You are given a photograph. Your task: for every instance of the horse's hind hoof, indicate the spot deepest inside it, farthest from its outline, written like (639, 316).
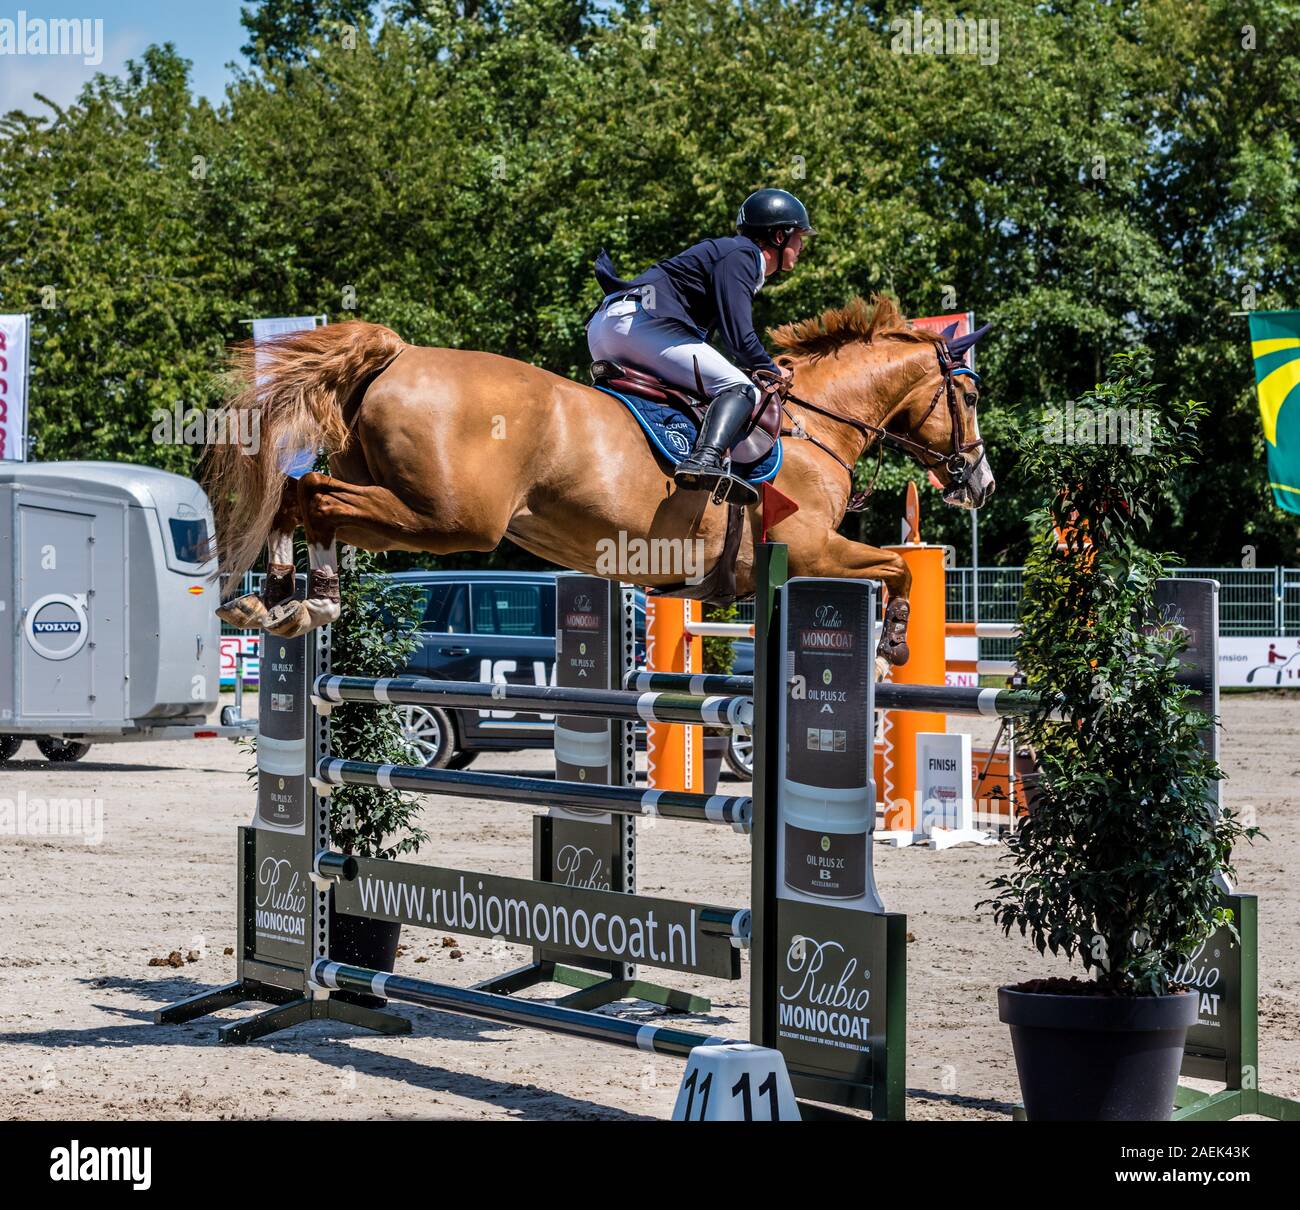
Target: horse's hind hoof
(895, 652)
(244, 613)
(289, 620)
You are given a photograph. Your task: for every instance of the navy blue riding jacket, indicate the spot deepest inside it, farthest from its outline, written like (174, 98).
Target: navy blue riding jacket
(709, 288)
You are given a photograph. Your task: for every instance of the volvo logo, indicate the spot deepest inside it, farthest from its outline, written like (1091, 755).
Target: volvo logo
(56, 626)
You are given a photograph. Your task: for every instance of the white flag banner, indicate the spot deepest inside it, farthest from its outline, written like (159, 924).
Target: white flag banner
(294, 463)
(15, 334)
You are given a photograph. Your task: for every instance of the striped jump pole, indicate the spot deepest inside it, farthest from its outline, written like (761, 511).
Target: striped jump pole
(721, 630)
(982, 630)
(685, 682)
(971, 702)
(1005, 668)
(731, 810)
(508, 1010)
(715, 711)
(953, 699)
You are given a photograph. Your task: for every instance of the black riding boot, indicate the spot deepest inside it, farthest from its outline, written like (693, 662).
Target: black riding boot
(706, 467)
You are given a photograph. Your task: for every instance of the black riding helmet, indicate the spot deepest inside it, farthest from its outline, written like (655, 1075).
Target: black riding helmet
(772, 211)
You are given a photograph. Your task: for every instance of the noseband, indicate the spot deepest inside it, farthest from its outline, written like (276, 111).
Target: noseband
(959, 468)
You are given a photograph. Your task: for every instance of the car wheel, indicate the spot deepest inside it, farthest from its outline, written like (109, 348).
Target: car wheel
(462, 759)
(9, 744)
(740, 752)
(61, 750)
(429, 734)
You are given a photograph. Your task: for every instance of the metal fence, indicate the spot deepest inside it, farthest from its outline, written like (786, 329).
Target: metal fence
(1255, 601)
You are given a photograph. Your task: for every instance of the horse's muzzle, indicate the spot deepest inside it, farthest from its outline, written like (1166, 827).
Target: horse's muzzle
(971, 484)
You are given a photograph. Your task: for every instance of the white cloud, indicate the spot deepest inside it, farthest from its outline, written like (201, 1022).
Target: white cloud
(62, 77)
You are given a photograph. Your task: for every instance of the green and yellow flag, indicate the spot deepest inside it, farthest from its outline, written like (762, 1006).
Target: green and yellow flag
(1275, 346)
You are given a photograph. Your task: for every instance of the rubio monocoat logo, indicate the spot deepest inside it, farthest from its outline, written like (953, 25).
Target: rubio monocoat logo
(1199, 972)
(827, 633)
(582, 866)
(917, 34)
(582, 615)
(824, 994)
(79, 37)
(281, 908)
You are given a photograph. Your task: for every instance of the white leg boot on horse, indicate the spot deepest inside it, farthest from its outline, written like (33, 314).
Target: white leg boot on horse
(293, 617)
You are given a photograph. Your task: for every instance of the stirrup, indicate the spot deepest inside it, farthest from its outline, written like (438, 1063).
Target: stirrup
(731, 489)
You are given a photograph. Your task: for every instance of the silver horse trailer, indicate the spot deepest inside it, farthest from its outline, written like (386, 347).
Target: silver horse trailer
(107, 629)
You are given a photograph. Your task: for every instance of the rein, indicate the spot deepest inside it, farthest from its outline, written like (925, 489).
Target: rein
(958, 468)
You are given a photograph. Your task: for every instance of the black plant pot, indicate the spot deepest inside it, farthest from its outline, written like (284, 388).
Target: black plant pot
(1097, 1058)
(361, 941)
(715, 752)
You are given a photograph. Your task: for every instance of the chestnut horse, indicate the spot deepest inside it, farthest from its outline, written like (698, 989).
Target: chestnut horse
(447, 450)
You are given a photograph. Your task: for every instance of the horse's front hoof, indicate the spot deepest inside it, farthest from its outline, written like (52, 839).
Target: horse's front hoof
(244, 613)
(289, 620)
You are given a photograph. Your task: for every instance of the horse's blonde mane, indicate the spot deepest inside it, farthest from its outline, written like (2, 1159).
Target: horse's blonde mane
(835, 327)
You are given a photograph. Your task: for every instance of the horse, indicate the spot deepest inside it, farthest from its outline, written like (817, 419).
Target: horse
(447, 450)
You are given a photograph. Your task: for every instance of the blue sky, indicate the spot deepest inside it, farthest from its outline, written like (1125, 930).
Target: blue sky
(207, 32)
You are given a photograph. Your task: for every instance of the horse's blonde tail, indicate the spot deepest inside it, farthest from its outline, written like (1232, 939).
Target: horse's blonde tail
(295, 387)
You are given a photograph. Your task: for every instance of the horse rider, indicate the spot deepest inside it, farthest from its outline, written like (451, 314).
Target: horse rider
(660, 320)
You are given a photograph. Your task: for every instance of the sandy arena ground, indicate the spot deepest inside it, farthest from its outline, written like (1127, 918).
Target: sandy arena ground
(82, 921)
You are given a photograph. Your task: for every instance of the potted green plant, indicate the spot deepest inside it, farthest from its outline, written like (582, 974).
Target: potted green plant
(1116, 863)
(719, 659)
(374, 636)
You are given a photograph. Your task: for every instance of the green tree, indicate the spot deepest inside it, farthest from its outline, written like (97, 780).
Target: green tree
(1118, 176)
(282, 31)
(103, 240)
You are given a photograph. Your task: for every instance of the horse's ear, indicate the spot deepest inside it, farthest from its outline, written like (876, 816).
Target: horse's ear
(962, 343)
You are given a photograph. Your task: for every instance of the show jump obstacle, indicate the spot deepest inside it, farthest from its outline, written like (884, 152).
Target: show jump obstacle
(827, 961)
(1223, 1046)
(827, 965)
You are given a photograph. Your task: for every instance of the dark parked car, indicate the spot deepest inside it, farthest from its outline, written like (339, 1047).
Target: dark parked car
(491, 626)
(496, 626)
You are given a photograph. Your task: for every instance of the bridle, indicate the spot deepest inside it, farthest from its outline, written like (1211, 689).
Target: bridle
(959, 468)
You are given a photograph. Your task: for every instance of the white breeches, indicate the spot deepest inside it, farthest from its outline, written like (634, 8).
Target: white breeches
(623, 331)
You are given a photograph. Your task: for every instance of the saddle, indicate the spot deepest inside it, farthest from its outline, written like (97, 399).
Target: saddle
(758, 436)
